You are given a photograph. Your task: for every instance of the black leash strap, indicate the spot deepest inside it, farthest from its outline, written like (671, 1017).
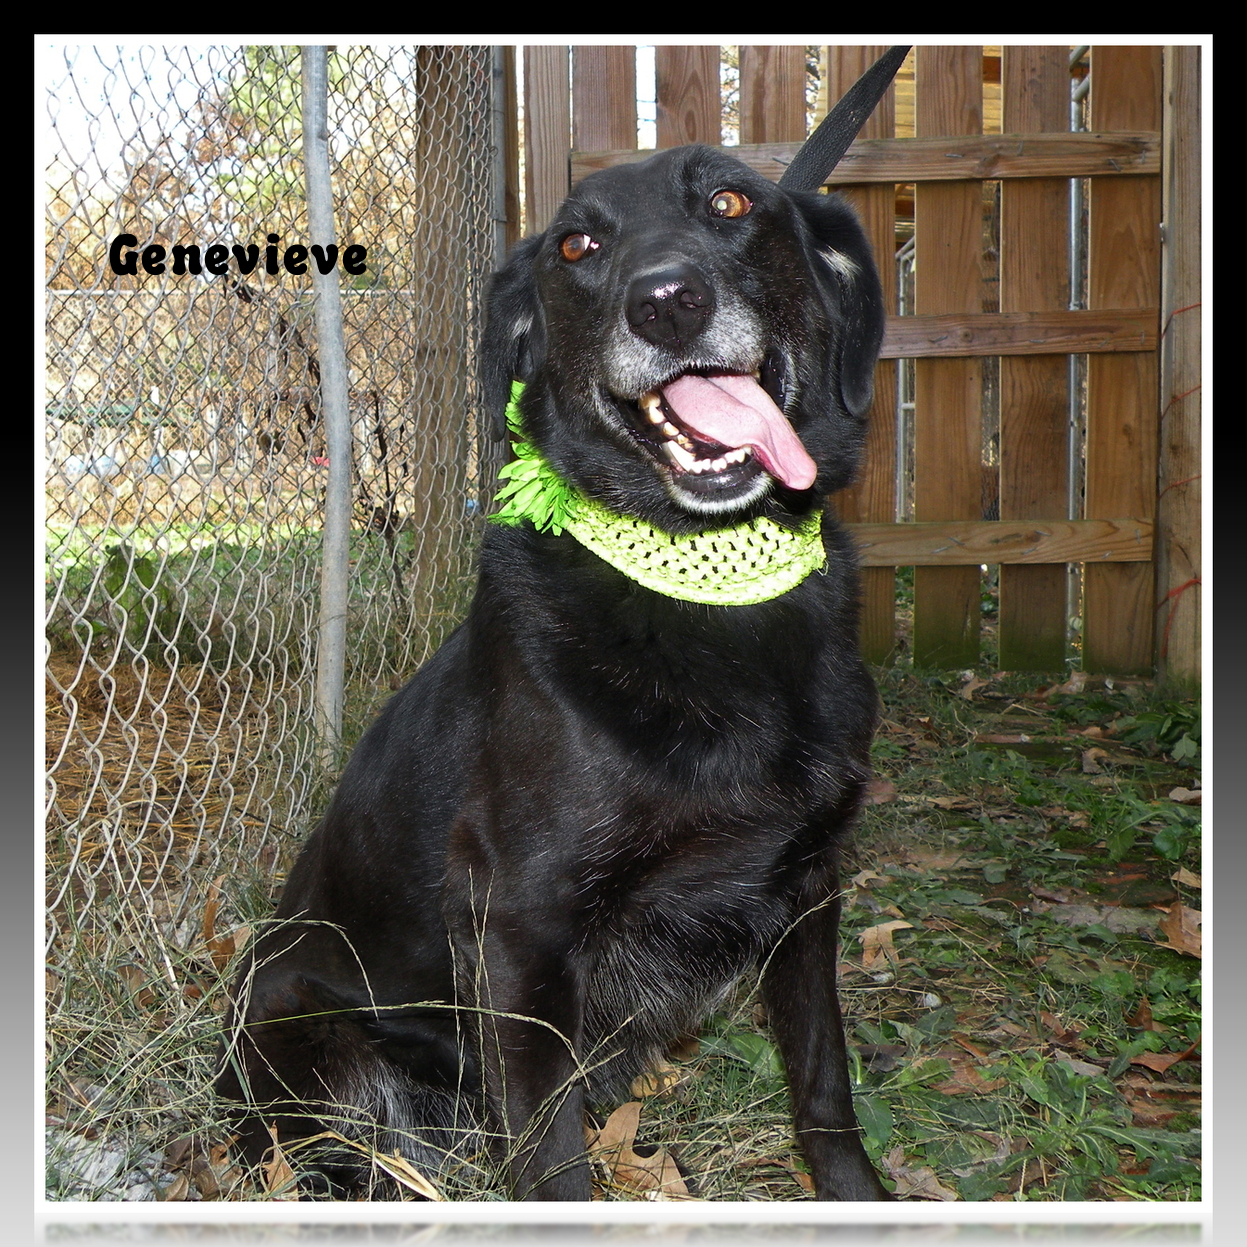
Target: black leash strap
(821, 152)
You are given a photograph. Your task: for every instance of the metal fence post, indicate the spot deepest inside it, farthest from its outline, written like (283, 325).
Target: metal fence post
(331, 650)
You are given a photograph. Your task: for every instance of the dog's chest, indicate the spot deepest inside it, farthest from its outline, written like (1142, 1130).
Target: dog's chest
(709, 896)
(670, 938)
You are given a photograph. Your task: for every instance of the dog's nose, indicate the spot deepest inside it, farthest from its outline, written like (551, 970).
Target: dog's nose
(669, 308)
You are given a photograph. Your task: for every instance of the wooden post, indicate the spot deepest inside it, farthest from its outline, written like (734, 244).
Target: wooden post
(872, 499)
(604, 97)
(1034, 390)
(506, 139)
(1122, 389)
(690, 105)
(547, 134)
(948, 229)
(772, 93)
(1178, 551)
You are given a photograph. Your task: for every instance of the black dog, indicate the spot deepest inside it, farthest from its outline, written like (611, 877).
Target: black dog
(600, 803)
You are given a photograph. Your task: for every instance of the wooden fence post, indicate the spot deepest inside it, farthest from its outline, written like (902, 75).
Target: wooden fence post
(604, 97)
(1034, 390)
(547, 134)
(1122, 389)
(1178, 547)
(872, 499)
(948, 231)
(690, 107)
(772, 93)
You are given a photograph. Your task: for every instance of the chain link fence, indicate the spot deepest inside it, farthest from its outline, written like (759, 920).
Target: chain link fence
(185, 487)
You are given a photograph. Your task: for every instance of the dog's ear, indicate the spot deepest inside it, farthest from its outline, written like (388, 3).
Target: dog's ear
(513, 344)
(846, 269)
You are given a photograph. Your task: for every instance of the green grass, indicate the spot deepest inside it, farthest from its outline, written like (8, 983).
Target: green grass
(1034, 1036)
(245, 596)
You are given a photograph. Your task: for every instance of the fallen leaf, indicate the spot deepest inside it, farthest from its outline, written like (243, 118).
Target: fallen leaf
(1182, 930)
(656, 1081)
(279, 1179)
(933, 859)
(220, 947)
(1091, 761)
(864, 878)
(1062, 896)
(135, 980)
(1187, 796)
(1012, 1028)
(655, 1176)
(1144, 1084)
(947, 803)
(1085, 1068)
(1153, 1116)
(685, 1048)
(880, 791)
(212, 1173)
(1161, 1061)
(966, 1080)
(882, 1058)
(918, 1182)
(178, 1189)
(211, 905)
(1059, 1033)
(1154, 1103)
(1074, 685)
(968, 689)
(876, 942)
(972, 1048)
(1187, 877)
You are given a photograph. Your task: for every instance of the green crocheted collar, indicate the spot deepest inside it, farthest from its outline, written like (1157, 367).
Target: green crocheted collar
(751, 562)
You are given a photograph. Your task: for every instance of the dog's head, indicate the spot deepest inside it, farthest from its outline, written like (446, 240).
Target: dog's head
(697, 344)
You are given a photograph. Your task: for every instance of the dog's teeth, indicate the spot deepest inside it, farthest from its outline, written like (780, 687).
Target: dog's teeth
(679, 451)
(668, 429)
(680, 457)
(651, 404)
(686, 442)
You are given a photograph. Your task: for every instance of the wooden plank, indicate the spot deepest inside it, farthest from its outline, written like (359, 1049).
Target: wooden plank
(1178, 515)
(872, 498)
(1035, 392)
(1022, 333)
(547, 133)
(973, 158)
(509, 141)
(689, 98)
(954, 543)
(604, 96)
(772, 93)
(1122, 424)
(948, 234)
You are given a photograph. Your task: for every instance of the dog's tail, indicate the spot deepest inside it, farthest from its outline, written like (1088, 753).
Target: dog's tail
(329, 1080)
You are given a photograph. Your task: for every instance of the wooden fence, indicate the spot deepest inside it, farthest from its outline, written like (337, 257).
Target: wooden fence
(1089, 362)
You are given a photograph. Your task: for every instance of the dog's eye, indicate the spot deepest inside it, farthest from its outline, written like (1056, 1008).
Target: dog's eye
(576, 246)
(729, 203)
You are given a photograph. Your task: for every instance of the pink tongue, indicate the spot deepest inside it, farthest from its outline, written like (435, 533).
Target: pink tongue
(734, 410)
